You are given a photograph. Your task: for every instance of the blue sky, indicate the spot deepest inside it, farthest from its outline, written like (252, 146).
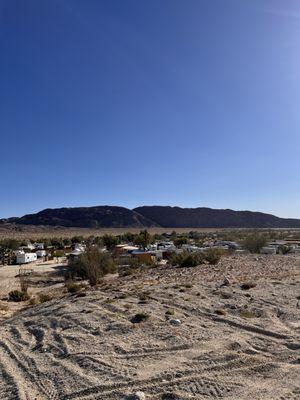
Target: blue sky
(129, 102)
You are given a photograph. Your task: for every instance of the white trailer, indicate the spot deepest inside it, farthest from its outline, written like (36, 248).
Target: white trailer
(41, 253)
(25, 258)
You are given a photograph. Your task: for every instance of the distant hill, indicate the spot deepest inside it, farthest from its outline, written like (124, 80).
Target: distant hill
(176, 217)
(86, 217)
(151, 216)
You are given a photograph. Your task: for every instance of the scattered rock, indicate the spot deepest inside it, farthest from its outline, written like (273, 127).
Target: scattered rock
(226, 282)
(231, 306)
(175, 322)
(170, 396)
(139, 396)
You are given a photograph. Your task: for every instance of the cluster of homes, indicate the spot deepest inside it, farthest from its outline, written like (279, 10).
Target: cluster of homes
(276, 247)
(159, 251)
(165, 249)
(29, 253)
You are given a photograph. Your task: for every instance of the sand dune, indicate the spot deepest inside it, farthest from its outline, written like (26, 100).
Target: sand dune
(87, 347)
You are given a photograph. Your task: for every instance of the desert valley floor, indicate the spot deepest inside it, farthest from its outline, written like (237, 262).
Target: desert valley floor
(202, 340)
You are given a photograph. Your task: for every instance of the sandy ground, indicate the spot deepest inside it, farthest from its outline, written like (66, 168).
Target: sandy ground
(8, 274)
(44, 276)
(86, 347)
(25, 232)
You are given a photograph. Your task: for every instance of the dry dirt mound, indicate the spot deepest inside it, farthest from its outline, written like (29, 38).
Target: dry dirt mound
(197, 340)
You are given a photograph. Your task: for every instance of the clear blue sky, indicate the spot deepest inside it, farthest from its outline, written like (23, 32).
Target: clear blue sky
(130, 102)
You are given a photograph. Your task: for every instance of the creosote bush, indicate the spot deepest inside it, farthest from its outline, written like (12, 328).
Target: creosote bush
(45, 297)
(186, 259)
(140, 317)
(92, 265)
(248, 285)
(213, 256)
(18, 295)
(73, 287)
(248, 314)
(220, 311)
(254, 243)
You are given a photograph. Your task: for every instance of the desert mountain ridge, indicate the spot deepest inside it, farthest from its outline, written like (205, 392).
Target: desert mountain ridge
(152, 216)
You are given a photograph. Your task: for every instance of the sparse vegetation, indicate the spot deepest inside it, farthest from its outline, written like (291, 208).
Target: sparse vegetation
(140, 317)
(248, 314)
(220, 311)
(92, 265)
(248, 285)
(254, 243)
(73, 287)
(187, 260)
(170, 312)
(43, 297)
(213, 256)
(33, 301)
(18, 295)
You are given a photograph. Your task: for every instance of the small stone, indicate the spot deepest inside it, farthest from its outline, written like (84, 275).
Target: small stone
(175, 322)
(226, 282)
(170, 396)
(139, 396)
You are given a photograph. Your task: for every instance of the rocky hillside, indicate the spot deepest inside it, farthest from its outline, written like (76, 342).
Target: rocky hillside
(87, 217)
(176, 217)
(152, 216)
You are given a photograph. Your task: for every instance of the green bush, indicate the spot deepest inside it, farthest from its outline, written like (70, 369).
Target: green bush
(140, 317)
(73, 287)
(213, 256)
(92, 265)
(254, 243)
(45, 297)
(18, 295)
(284, 249)
(186, 260)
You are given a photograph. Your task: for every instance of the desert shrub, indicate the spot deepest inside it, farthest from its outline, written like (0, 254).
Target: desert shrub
(10, 244)
(18, 295)
(178, 242)
(248, 285)
(284, 249)
(129, 271)
(92, 265)
(110, 242)
(143, 298)
(254, 243)
(73, 287)
(186, 259)
(33, 301)
(220, 311)
(140, 317)
(143, 239)
(248, 314)
(44, 297)
(58, 253)
(170, 312)
(213, 256)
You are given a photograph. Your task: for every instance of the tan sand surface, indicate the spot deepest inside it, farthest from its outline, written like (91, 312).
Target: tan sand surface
(84, 346)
